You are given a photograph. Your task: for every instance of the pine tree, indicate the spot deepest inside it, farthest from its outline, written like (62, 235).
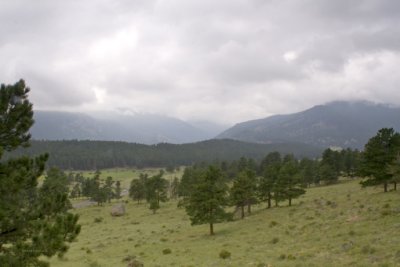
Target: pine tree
(207, 201)
(394, 169)
(34, 221)
(137, 190)
(156, 191)
(173, 192)
(108, 187)
(380, 151)
(269, 170)
(243, 190)
(118, 190)
(287, 185)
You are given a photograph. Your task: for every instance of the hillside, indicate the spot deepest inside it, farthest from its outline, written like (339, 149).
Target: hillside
(111, 126)
(342, 124)
(339, 225)
(90, 155)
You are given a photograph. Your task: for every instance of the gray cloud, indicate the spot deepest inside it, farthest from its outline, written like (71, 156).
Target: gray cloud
(226, 61)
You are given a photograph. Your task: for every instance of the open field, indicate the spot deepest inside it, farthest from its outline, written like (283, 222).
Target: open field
(339, 225)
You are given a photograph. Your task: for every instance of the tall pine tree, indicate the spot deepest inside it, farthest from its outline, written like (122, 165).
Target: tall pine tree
(34, 221)
(380, 151)
(207, 200)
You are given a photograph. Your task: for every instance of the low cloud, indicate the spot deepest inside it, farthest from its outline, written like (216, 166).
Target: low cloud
(223, 61)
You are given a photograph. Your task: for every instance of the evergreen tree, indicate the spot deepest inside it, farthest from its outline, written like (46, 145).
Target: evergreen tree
(118, 190)
(174, 188)
(394, 170)
(76, 191)
(34, 221)
(269, 170)
(308, 172)
(287, 185)
(137, 190)
(108, 187)
(156, 191)
(243, 191)
(207, 201)
(380, 151)
(331, 165)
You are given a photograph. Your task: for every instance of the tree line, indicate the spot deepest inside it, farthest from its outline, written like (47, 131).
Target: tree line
(94, 188)
(97, 155)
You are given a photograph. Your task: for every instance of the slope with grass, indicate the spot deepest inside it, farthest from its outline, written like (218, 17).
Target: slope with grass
(339, 225)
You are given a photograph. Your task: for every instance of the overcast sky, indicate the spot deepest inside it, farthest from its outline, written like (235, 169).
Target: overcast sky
(220, 60)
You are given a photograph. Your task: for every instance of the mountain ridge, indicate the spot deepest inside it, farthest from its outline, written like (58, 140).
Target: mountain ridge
(338, 123)
(112, 126)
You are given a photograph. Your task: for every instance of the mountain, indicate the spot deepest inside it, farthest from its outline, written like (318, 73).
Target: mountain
(341, 124)
(112, 126)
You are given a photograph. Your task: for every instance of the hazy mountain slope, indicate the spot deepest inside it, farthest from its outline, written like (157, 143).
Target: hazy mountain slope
(139, 128)
(344, 124)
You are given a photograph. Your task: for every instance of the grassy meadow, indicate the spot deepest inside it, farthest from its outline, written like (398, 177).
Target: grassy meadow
(338, 225)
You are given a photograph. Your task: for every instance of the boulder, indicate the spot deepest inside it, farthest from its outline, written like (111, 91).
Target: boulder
(118, 210)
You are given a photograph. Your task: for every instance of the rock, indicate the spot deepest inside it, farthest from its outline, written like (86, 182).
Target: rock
(118, 210)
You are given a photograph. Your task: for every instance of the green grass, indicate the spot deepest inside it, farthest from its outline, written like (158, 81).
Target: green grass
(339, 225)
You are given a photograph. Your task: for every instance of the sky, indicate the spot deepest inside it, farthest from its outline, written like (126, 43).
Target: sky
(224, 61)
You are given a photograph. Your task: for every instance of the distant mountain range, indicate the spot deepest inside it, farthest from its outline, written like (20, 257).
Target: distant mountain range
(340, 124)
(112, 126)
(336, 124)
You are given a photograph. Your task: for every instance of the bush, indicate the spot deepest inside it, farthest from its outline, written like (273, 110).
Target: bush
(273, 223)
(98, 219)
(166, 251)
(224, 254)
(275, 240)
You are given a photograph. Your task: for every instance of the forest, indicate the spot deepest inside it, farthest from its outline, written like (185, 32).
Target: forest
(92, 155)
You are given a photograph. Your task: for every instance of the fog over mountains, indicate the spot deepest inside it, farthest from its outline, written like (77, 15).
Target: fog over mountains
(112, 126)
(342, 124)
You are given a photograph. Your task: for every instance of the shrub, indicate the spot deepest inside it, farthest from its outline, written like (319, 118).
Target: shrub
(273, 223)
(98, 219)
(166, 251)
(385, 212)
(275, 240)
(224, 254)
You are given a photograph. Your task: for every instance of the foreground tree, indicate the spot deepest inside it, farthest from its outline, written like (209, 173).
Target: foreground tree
(380, 151)
(207, 200)
(34, 221)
